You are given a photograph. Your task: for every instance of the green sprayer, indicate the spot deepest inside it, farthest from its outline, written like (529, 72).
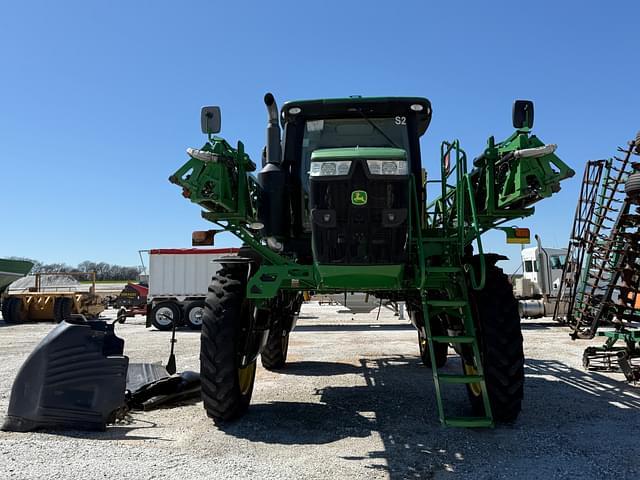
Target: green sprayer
(342, 203)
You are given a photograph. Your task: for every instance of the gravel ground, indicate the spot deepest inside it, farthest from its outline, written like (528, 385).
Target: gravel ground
(353, 402)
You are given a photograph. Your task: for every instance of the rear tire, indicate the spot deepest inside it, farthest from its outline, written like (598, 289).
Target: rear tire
(440, 350)
(274, 354)
(227, 386)
(62, 309)
(164, 315)
(500, 341)
(193, 315)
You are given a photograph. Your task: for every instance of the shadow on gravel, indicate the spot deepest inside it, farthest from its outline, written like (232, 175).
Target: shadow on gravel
(113, 432)
(397, 405)
(178, 330)
(534, 325)
(355, 327)
(319, 369)
(30, 322)
(579, 392)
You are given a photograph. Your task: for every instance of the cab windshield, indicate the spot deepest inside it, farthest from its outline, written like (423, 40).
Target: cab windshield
(352, 132)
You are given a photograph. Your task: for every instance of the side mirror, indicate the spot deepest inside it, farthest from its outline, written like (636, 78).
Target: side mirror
(201, 238)
(522, 114)
(210, 120)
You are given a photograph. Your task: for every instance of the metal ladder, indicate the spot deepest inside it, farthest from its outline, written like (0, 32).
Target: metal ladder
(456, 307)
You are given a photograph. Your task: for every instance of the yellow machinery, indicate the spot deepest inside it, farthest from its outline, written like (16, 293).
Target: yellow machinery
(52, 303)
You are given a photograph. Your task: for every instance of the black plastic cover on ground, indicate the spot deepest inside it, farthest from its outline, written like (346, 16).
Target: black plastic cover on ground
(75, 378)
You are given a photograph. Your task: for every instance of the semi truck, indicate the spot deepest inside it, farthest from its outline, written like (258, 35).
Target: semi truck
(538, 287)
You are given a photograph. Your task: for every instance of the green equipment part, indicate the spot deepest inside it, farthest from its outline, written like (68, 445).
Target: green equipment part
(342, 203)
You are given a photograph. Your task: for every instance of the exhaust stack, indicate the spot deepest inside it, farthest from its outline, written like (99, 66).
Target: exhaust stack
(273, 208)
(274, 149)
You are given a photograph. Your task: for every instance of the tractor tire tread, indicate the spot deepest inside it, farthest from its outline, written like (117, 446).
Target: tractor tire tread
(501, 345)
(221, 395)
(274, 356)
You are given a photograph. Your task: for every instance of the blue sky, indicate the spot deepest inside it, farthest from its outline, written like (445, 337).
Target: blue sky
(99, 100)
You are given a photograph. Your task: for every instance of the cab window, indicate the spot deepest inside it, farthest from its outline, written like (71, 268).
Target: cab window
(351, 132)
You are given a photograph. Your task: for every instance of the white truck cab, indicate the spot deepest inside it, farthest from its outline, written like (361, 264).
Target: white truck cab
(555, 259)
(538, 288)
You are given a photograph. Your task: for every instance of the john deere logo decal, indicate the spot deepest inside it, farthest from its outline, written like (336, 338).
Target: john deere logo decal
(359, 197)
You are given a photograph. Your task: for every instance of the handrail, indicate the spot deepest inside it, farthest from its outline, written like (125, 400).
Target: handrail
(421, 258)
(483, 268)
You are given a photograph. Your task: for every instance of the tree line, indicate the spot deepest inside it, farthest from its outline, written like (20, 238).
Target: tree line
(104, 271)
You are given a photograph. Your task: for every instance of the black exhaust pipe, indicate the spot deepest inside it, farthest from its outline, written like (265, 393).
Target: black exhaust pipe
(273, 208)
(274, 149)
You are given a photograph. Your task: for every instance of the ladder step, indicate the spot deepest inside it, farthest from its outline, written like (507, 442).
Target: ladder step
(453, 339)
(468, 422)
(452, 378)
(438, 239)
(447, 303)
(443, 269)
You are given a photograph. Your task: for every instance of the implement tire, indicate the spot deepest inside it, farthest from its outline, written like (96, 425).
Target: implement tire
(62, 309)
(632, 185)
(13, 310)
(500, 338)
(226, 385)
(274, 354)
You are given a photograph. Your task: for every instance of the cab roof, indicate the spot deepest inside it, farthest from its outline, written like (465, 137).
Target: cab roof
(351, 106)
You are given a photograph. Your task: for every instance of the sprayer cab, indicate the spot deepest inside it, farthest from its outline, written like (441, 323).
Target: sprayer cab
(334, 184)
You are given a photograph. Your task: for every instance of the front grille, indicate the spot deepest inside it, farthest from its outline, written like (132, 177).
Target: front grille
(374, 233)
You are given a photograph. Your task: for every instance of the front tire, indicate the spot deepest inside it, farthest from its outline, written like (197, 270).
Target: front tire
(500, 340)
(227, 385)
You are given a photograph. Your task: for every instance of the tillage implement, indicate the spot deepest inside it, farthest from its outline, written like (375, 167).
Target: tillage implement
(601, 278)
(342, 203)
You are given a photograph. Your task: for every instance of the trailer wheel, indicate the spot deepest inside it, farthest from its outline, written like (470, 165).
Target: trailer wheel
(14, 311)
(500, 340)
(440, 349)
(227, 385)
(193, 315)
(62, 309)
(164, 314)
(274, 354)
